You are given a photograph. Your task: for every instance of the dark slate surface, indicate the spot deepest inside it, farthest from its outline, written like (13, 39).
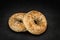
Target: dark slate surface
(49, 8)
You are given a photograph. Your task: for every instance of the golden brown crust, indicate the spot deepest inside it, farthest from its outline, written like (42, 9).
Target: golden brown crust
(14, 23)
(31, 26)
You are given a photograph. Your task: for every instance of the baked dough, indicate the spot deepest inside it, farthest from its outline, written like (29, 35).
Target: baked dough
(35, 22)
(16, 22)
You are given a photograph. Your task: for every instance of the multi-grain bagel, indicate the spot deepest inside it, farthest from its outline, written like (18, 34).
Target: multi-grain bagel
(35, 22)
(16, 22)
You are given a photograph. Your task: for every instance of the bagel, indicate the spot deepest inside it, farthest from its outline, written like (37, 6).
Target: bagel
(16, 22)
(35, 22)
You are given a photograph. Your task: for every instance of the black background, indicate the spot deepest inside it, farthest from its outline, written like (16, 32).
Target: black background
(51, 9)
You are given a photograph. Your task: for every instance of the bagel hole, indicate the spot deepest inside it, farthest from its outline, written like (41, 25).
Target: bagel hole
(19, 20)
(38, 22)
(35, 21)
